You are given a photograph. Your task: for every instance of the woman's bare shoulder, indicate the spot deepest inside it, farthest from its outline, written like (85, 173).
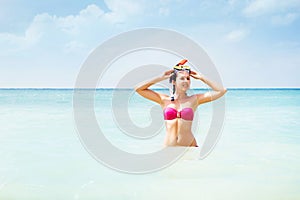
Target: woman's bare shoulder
(165, 98)
(193, 99)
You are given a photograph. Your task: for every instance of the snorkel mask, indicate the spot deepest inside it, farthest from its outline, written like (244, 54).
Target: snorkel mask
(178, 67)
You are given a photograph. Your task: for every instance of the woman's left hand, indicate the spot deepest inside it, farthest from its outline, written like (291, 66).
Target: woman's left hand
(196, 75)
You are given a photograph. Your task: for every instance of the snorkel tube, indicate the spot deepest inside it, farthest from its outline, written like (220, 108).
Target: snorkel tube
(178, 67)
(182, 62)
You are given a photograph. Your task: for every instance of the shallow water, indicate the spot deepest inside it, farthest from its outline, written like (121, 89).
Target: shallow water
(42, 157)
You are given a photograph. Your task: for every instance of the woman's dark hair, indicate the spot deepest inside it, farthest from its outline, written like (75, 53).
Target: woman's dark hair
(173, 78)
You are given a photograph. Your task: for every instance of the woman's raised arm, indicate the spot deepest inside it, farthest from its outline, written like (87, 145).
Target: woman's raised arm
(143, 88)
(218, 91)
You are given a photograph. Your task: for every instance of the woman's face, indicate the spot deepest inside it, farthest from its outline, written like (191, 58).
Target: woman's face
(183, 81)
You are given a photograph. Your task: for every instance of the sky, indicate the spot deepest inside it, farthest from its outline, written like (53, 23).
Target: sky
(253, 43)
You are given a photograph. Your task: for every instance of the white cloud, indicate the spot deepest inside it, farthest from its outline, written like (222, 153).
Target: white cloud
(72, 31)
(12, 42)
(73, 46)
(121, 10)
(261, 7)
(236, 35)
(125, 7)
(287, 19)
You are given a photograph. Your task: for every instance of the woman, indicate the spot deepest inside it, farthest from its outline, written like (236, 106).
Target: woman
(179, 109)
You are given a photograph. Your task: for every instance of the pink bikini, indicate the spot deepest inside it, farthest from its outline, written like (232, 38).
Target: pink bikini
(172, 113)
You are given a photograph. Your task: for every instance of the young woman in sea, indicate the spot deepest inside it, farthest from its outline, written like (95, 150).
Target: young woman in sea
(179, 108)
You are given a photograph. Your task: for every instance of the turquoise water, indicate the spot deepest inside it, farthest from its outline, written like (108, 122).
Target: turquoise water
(257, 156)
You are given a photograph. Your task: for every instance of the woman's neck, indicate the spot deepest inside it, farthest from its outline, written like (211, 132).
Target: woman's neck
(180, 95)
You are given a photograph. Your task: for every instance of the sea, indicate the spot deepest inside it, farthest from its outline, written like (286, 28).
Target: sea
(43, 154)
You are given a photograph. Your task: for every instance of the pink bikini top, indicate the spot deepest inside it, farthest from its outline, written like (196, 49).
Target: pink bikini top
(172, 113)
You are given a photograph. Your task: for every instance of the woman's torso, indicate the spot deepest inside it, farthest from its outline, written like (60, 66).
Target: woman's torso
(178, 116)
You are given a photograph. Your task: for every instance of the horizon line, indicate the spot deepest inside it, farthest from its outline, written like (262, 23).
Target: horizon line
(111, 88)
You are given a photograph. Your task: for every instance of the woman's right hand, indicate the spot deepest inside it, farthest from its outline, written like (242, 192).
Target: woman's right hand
(168, 74)
(143, 88)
